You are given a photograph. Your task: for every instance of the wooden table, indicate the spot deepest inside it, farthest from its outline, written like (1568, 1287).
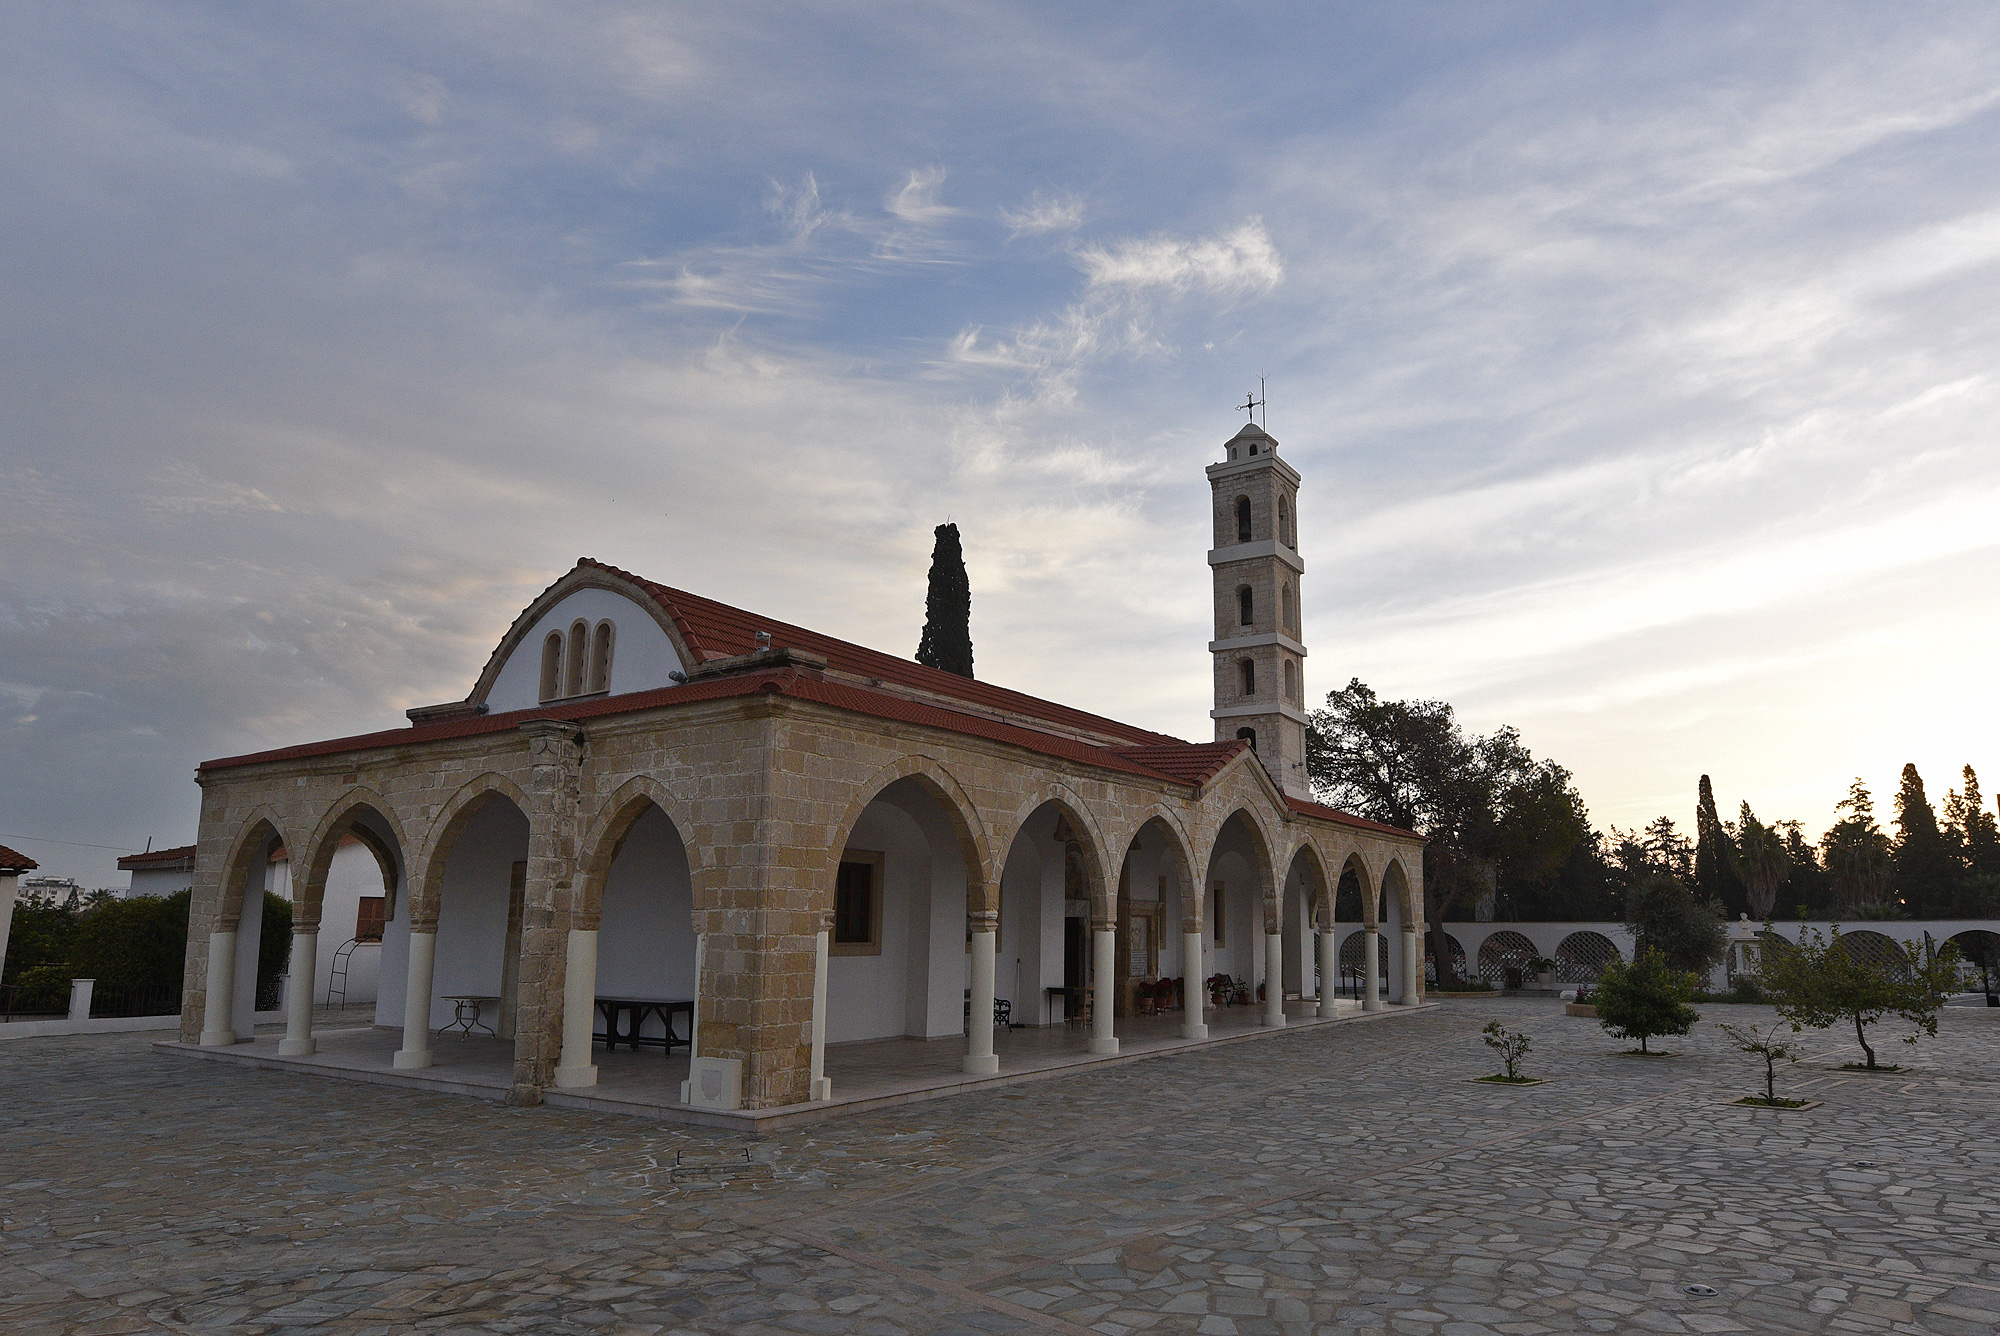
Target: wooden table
(636, 1010)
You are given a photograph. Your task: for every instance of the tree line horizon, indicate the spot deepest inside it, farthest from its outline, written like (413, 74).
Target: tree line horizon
(1511, 830)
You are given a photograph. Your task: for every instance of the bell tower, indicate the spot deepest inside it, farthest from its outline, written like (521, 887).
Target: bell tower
(1259, 659)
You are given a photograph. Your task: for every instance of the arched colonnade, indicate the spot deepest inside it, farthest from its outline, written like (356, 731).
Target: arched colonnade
(923, 904)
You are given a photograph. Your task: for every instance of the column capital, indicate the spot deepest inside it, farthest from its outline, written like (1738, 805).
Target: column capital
(1099, 923)
(984, 920)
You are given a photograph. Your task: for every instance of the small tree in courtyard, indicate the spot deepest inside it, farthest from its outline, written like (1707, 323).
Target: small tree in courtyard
(1819, 983)
(1645, 999)
(1511, 1045)
(1767, 1043)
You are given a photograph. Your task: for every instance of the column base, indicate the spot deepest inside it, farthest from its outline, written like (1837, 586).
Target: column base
(217, 1038)
(1318, 1008)
(1104, 1046)
(982, 1064)
(1193, 1030)
(822, 1090)
(576, 1078)
(297, 1048)
(408, 1058)
(1371, 1004)
(1274, 1022)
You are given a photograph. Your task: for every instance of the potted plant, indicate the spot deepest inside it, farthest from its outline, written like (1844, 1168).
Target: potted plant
(1543, 969)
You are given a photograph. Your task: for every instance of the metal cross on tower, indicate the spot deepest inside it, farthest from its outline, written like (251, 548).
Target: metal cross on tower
(1252, 402)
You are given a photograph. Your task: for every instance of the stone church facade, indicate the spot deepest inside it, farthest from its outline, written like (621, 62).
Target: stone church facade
(649, 793)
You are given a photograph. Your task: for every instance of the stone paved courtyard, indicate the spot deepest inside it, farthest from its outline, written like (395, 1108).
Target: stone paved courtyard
(1345, 1179)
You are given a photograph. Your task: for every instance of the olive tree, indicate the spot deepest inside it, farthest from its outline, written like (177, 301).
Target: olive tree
(1818, 983)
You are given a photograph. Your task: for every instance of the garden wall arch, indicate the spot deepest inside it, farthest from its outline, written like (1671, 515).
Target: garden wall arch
(1582, 956)
(1502, 949)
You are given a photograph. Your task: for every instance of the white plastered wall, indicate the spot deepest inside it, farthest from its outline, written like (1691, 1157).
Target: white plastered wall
(915, 985)
(642, 656)
(472, 908)
(645, 940)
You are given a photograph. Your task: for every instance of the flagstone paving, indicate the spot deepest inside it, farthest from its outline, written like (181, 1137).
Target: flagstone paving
(1343, 1180)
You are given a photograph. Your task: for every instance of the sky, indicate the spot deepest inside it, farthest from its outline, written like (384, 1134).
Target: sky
(1640, 360)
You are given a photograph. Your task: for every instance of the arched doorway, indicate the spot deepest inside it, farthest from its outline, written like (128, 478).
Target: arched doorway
(1049, 968)
(1242, 917)
(1156, 896)
(347, 883)
(1306, 904)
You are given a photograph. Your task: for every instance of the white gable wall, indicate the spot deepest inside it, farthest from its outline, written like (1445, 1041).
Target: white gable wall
(642, 656)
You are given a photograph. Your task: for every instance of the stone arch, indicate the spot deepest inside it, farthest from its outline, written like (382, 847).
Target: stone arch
(937, 780)
(1177, 844)
(1262, 858)
(1396, 880)
(1323, 885)
(253, 839)
(342, 817)
(615, 817)
(1099, 880)
(427, 885)
(1366, 886)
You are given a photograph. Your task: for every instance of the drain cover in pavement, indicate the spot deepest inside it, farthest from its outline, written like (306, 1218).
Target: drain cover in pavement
(1700, 1291)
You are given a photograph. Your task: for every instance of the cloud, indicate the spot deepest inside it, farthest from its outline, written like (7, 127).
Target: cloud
(916, 201)
(1040, 215)
(1233, 263)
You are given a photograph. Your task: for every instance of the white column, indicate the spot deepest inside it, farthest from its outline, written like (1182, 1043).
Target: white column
(694, 1015)
(819, 1087)
(1103, 983)
(1329, 970)
(1194, 969)
(979, 1057)
(575, 1070)
(80, 991)
(1371, 965)
(217, 1008)
(1413, 968)
(1274, 978)
(298, 1040)
(416, 1049)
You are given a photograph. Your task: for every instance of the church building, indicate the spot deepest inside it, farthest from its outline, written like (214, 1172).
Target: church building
(748, 843)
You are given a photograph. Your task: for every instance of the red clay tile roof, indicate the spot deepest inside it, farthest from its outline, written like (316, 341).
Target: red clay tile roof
(156, 857)
(784, 681)
(714, 630)
(1325, 813)
(717, 631)
(11, 861)
(1189, 762)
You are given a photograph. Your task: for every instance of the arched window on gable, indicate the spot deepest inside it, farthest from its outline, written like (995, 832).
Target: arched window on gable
(1246, 607)
(1242, 519)
(600, 657)
(1248, 669)
(573, 661)
(1248, 735)
(552, 655)
(1285, 523)
(1291, 681)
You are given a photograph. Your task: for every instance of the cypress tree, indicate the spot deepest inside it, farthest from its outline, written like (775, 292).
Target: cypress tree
(1923, 868)
(1715, 876)
(947, 640)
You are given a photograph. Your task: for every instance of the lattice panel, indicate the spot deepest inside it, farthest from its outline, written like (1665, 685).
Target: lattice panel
(1499, 951)
(1457, 959)
(1872, 948)
(1583, 956)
